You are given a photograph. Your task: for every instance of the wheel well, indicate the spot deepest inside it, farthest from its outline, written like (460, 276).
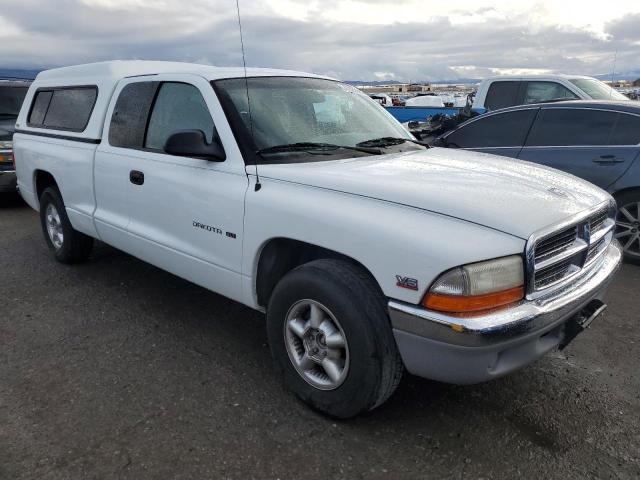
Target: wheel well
(624, 191)
(43, 181)
(281, 255)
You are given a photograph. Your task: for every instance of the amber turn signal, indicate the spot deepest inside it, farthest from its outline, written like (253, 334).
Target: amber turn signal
(474, 303)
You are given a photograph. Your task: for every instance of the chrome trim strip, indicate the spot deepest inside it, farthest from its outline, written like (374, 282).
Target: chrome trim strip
(541, 314)
(565, 106)
(601, 232)
(578, 246)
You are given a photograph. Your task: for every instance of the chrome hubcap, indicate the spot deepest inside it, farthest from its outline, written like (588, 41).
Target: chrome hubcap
(628, 228)
(316, 345)
(54, 226)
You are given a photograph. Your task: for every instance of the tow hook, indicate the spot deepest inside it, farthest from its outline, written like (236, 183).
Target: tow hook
(581, 321)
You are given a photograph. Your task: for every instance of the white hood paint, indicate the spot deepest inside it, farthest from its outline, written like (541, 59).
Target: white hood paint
(509, 195)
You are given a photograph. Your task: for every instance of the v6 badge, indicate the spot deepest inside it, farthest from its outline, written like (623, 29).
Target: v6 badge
(406, 282)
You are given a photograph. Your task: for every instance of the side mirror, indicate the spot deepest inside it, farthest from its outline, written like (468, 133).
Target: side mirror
(440, 142)
(192, 143)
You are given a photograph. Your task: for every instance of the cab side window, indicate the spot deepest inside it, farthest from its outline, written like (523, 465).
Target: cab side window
(502, 94)
(178, 106)
(539, 92)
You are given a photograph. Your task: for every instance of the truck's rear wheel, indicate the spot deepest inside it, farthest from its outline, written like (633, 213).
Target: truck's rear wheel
(331, 339)
(68, 245)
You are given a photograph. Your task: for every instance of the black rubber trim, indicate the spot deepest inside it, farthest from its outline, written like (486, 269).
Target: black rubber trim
(59, 137)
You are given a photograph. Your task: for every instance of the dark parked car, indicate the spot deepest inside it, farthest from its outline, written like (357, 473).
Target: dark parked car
(595, 140)
(12, 93)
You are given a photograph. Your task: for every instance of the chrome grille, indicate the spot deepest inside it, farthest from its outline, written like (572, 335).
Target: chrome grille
(550, 275)
(556, 244)
(557, 253)
(596, 221)
(595, 249)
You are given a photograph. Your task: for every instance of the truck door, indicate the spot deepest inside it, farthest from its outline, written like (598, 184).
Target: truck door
(185, 215)
(123, 132)
(592, 144)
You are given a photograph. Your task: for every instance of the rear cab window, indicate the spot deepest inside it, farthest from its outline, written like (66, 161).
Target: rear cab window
(129, 119)
(63, 108)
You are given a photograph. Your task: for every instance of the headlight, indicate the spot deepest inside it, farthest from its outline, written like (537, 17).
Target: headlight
(478, 286)
(6, 145)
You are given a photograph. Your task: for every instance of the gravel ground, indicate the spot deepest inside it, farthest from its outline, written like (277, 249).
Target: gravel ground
(116, 369)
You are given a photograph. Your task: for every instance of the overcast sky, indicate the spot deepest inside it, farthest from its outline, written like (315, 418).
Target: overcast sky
(351, 40)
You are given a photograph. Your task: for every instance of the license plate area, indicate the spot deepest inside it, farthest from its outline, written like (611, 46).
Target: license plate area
(581, 321)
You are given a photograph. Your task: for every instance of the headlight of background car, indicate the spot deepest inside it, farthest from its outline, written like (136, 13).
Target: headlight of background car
(478, 286)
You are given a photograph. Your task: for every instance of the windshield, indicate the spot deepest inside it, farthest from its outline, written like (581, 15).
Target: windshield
(597, 90)
(298, 112)
(11, 100)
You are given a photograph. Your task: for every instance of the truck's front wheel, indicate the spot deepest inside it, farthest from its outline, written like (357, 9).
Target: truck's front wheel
(331, 338)
(68, 245)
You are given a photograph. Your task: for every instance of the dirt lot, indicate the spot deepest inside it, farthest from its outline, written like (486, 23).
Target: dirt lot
(115, 369)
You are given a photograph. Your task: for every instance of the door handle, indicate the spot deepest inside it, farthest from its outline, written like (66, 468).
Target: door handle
(136, 177)
(607, 159)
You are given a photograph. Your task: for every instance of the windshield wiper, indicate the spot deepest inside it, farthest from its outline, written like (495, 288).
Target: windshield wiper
(383, 142)
(313, 146)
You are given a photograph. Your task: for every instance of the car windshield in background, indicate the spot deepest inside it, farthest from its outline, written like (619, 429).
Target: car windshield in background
(297, 117)
(11, 100)
(597, 90)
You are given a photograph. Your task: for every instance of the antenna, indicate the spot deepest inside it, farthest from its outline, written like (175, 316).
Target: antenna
(613, 72)
(258, 185)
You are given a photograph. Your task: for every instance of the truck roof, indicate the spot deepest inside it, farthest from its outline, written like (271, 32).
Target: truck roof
(118, 69)
(104, 76)
(535, 77)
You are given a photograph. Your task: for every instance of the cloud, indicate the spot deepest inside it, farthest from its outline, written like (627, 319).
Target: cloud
(297, 35)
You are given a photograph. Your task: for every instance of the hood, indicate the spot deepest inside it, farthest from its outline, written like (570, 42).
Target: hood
(7, 128)
(512, 196)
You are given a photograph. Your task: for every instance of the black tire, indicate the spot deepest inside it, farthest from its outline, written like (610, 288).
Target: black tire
(630, 199)
(76, 246)
(354, 298)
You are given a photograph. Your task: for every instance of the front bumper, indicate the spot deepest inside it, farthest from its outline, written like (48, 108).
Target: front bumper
(474, 349)
(8, 181)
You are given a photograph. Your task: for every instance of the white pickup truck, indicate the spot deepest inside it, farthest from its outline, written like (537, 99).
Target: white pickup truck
(299, 196)
(510, 90)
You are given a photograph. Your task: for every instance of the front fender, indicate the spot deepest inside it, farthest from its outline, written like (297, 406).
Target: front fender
(388, 239)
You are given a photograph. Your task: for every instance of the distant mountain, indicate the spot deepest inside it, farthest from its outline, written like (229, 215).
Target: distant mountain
(632, 75)
(17, 73)
(415, 82)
